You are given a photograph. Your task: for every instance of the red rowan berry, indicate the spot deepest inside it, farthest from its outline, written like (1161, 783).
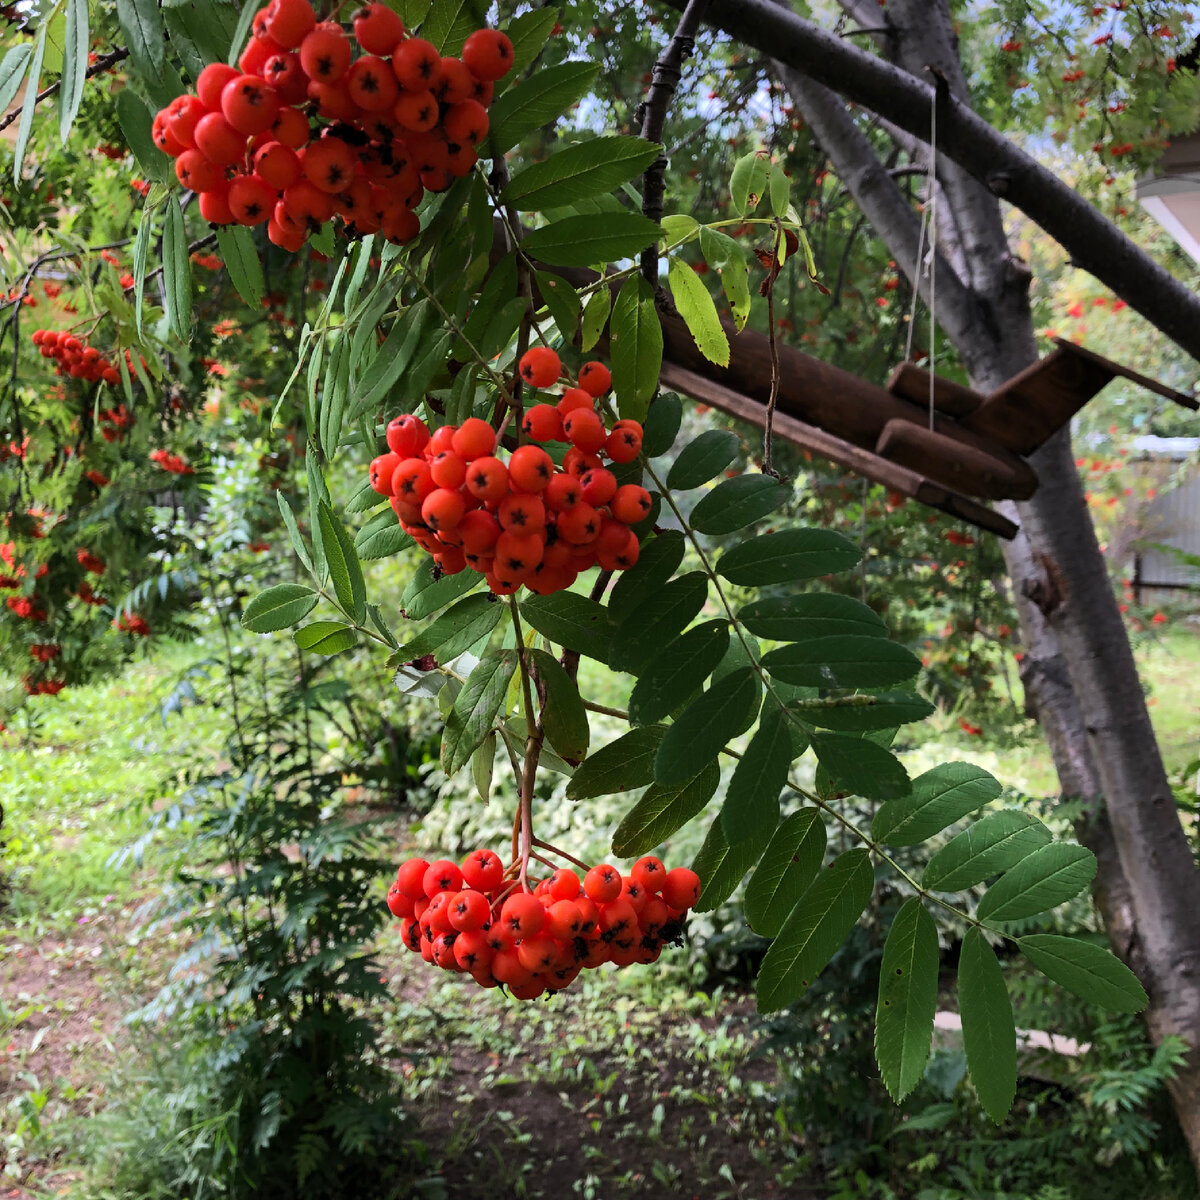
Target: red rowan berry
(182, 115)
(250, 104)
(442, 876)
(417, 65)
(407, 434)
(563, 920)
(589, 917)
(194, 171)
(258, 52)
(162, 137)
(543, 423)
(633, 891)
(472, 951)
(329, 164)
(578, 464)
(334, 102)
(487, 479)
(474, 439)
(523, 915)
(251, 199)
(573, 399)
(508, 969)
(517, 555)
(289, 22)
(654, 914)
(412, 481)
(585, 430)
(410, 934)
(380, 473)
(631, 504)
(624, 444)
(277, 165)
(307, 202)
(466, 123)
(401, 226)
(443, 508)
(377, 29)
(325, 53)
(214, 205)
(578, 525)
(564, 884)
(455, 83)
(618, 919)
(563, 492)
(371, 84)
(488, 54)
(210, 83)
(619, 557)
(530, 468)
(410, 878)
(681, 888)
(482, 869)
(595, 378)
(441, 439)
(443, 951)
(436, 916)
(290, 128)
(540, 367)
(602, 883)
(399, 905)
(448, 469)
(469, 910)
(599, 486)
(416, 111)
(650, 873)
(285, 74)
(522, 513)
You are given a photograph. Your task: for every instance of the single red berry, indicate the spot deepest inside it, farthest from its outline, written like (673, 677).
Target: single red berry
(407, 435)
(325, 53)
(595, 378)
(469, 910)
(377, 29)
(523, 915)
(681, 888)
(631, 504)
(540, 367)
(250, 104)
(488, 54)
(442, 876)
(417, 65)
(543, 423)
(624, 444)
(474, 439)
(602, 883)
(289, 22)
(482, 869)
(371, 84)
(650, 873)
(487, 479)
(530, 468)
(210, 83)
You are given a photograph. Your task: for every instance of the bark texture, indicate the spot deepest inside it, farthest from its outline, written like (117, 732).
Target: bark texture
(1079, 672)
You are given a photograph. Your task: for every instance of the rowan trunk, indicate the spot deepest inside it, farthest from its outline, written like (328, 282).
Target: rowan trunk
(1079, 673)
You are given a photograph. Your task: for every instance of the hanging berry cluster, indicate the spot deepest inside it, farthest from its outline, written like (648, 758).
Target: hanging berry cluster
(524, 521)
(477, 919)
(73, 358)
(399, 120)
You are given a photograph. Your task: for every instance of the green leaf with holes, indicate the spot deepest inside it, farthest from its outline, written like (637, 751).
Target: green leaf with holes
(815, 930)
(908, 985)
(749, 181)
(695, 305)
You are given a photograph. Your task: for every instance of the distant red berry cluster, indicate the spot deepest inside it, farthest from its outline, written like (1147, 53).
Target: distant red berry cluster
(524, 521)
(477, 919)
(74, 358)
(132, 623)
(89, 562)
(400, 120)
(171, 462)
(43, 687)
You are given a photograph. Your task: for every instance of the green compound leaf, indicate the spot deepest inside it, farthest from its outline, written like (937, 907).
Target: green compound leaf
(752, 799)
(722, 867)
(594, 240)
(842, 662)
(646, 630)
(749, 181)
(815, 930)
(278, 607)
(242, 263)
(1047, 877)
(703, 728)
(739, 502)
(810, 615)
(636, 344)
(987, 847)
(620, 766)
(476, 708)
(1092, 972)
(456, 630)
(939, 797)
(659, 560)
(908, 985)
(792, 860)
(425, 594)
(572, 621)
(703, 459)
(851, 714)
(662, 810)
(539, 100)
(699, 312)
(788, 557)
(580, 172)
(989, 1035)
(674, 675)
(861, 767)
(342, 560)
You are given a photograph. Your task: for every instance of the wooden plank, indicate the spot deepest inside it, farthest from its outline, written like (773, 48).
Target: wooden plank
(844, 454)
(911, 383)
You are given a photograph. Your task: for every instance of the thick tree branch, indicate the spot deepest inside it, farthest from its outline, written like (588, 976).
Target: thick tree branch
(1093, 242)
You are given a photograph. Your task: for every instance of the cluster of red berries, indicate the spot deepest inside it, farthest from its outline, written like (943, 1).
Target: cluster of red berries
(89, 562)
(45, 651)
(171, 462)
(74, 358)
(43, 687)
(113, 422)
(525, 521)
(475, 918)
(132, 623)
(88, 596)
(26, 608)
(402, 120)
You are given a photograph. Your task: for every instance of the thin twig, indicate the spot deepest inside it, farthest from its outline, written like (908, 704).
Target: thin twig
(772, 337)
(101, 65)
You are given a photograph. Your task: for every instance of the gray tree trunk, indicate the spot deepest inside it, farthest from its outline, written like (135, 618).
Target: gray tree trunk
(1079, 673)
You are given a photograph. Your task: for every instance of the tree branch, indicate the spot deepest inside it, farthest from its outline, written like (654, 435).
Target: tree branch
(102, 64)
(1093, 242)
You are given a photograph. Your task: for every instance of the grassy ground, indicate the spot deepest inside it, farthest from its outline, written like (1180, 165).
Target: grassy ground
(637, 1082)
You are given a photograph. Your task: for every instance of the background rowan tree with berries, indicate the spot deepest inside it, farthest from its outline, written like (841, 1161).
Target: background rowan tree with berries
(383, 264)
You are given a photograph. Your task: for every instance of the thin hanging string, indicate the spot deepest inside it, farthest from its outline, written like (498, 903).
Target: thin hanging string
(923, 264)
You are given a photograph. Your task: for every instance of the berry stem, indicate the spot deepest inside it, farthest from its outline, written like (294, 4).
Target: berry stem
(533, 747)
(561, 853)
